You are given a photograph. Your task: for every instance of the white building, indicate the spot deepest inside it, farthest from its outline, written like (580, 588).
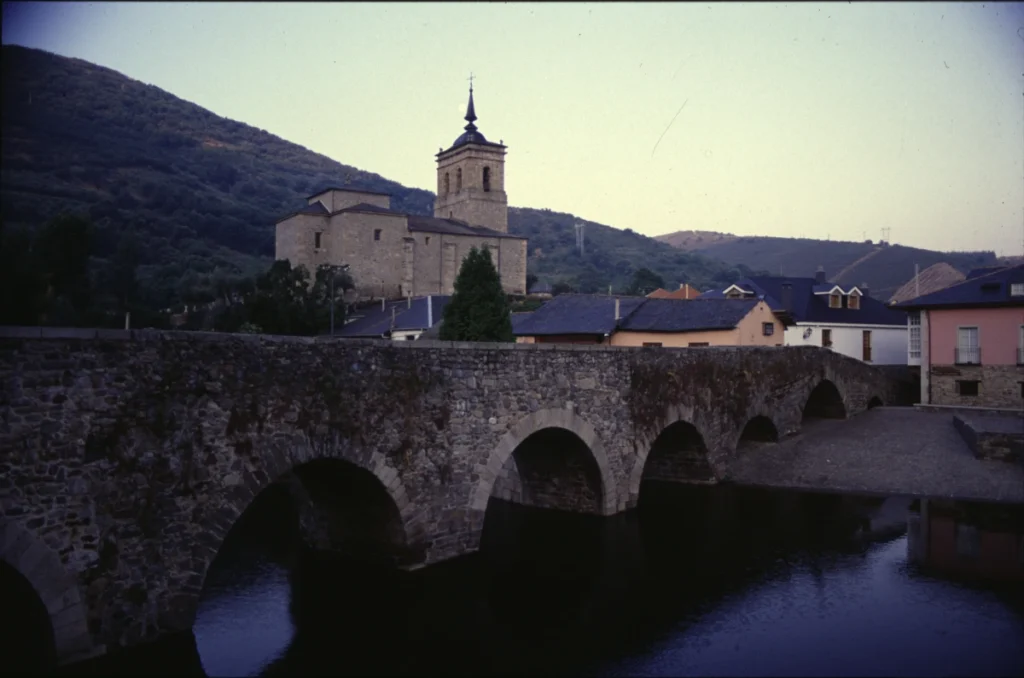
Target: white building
(820, 313)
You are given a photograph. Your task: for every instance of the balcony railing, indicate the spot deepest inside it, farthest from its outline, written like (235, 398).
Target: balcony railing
(968, 356)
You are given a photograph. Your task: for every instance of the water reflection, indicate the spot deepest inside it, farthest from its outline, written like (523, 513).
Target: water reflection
(699, 580)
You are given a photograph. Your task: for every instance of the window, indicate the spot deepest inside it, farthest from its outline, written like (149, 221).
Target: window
(458, 180)
(376, 234)
(426, 240)
(316, 239)
(652, 344)
(767, 329)
(966, 387)
(866, 345)
(914, 325)
(968, 351)
(734, 295)
(447, 184)
(835, 301)
(694, 344)
(1017, 289)
(487, 178)
(853, 302)
(826, 338)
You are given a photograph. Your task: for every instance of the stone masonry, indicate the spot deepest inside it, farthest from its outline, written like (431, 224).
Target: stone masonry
(998, 385)
(128, 455)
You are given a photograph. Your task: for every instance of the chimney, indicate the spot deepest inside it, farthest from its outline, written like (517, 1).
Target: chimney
(787, 296)
(430, 311)
(409, 304)
(865, 290)
(618, 317)
(382, 304)
(819, 277)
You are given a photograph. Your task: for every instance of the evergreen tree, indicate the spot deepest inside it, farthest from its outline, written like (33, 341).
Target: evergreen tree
(479, 309)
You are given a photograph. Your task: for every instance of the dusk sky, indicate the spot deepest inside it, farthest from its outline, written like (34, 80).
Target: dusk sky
(817, 120)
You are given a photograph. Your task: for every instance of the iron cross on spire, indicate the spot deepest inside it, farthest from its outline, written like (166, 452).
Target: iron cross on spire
(470, 80)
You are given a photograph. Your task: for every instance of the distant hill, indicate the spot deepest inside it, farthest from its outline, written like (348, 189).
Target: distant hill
(203, 192)
(883, 266)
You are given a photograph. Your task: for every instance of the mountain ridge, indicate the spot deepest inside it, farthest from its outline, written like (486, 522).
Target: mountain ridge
(204, 191)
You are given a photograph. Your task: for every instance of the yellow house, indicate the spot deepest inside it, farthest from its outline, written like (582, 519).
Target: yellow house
(639, 321)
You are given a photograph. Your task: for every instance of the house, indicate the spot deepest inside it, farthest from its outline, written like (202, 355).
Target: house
(639, 321)
(685, 291)
(404, 320)
(932, 279)
(969, 340)
(822, 313)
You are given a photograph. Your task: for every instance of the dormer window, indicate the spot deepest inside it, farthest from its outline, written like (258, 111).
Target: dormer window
(853, 302)
(835, 301)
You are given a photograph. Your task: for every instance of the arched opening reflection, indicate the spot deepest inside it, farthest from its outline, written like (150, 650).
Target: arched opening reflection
(874, 402)
(311, 563)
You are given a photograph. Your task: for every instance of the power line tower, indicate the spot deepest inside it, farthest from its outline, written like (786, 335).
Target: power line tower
(885, 233)
(579, 236)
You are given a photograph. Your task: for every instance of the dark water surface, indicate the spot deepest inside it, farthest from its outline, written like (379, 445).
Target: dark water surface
(698, 581)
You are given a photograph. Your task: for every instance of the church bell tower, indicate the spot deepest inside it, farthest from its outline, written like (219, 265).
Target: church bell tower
(471, 178)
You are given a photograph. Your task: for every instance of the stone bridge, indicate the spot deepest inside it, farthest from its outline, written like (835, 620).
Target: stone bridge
(127, 456)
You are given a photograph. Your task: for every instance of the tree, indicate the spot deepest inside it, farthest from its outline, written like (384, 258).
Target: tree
(531, 280)
(62, 249)
(644, 282)
(479, 309)
(562, 287)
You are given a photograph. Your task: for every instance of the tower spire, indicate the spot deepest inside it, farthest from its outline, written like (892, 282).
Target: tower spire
(470, 111)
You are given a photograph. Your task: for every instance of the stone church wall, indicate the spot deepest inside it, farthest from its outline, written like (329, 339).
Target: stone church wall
(295, 240)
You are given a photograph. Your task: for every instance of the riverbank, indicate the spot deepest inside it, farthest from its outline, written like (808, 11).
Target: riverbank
(884, 451)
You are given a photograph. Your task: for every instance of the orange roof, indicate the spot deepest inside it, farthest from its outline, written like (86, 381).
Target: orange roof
(685, 291)
(932, 279)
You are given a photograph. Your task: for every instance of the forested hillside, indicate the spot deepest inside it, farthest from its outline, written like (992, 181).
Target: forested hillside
(884, 267)
(201, 193)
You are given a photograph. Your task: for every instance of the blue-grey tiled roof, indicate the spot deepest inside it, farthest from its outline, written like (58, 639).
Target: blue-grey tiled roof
(576, 314)
(315, 208)
(367, 207)
(682, 315)
(992, 289)
(372, 321)
(808, 307)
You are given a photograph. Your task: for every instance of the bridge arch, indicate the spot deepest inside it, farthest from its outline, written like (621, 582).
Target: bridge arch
(759, 428)
(278, 462)
(675, 423)
(57, 590)
(824, 401)
(537, 422)
(874, 402)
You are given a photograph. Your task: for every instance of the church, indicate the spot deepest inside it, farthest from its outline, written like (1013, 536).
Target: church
(392, 255)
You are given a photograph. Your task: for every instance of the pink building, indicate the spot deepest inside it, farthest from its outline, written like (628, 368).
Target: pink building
(969, 340)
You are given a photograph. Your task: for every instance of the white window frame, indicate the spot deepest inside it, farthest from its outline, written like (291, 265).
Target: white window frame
(960, 347)
(914, 334)
(1017, 289)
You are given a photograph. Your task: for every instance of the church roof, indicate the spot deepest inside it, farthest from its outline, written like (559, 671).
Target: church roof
(367, 207)
(454, 227)
(349, 189)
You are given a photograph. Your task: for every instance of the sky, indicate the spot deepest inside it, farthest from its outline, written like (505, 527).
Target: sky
(832, 120)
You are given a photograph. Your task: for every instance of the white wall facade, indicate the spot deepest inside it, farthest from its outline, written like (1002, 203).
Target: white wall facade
(888, 342)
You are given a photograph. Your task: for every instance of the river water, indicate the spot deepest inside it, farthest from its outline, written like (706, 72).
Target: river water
(697, 581)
